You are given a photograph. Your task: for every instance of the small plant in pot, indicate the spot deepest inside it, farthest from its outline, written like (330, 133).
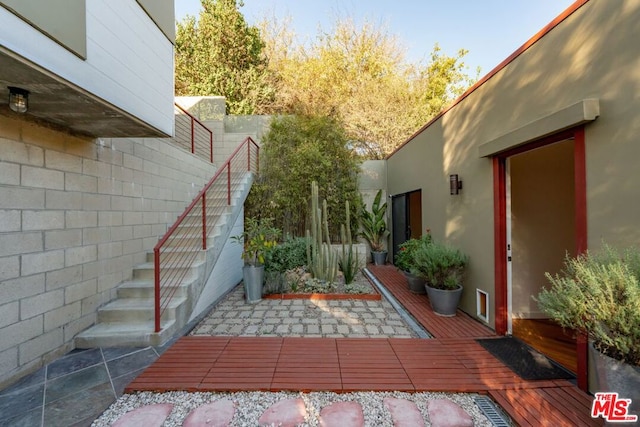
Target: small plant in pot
(597, 294)
(443, 269)
(258, 238)
(405, 263)
(374, 228)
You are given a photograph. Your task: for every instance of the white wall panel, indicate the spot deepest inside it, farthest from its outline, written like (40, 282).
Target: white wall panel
(129, 60)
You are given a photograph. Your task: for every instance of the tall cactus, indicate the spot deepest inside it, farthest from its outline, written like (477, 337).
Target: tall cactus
(348, 263)
(321, 259)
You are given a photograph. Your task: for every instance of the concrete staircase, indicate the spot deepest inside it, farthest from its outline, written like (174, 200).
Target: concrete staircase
(129, 319)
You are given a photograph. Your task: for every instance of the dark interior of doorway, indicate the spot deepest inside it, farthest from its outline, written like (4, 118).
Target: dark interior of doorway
(406, 214)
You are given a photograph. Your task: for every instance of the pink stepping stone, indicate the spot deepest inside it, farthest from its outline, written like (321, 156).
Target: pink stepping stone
(342, 414)
(445, 413)
(286, 413)
(148, 416)
(218, 414)
(404, 413)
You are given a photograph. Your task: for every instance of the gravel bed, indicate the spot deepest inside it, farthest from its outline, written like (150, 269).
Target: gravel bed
(250, 405)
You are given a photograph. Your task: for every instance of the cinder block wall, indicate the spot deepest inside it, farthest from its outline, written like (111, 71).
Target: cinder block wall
(75, 216)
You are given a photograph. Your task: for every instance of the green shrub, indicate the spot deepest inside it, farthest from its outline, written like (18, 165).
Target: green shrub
(290, 254)
(598, 294)
(295, 151)
(404, 258)
(440, 265)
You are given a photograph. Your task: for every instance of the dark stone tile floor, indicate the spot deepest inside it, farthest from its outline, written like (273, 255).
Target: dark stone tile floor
(74, 389)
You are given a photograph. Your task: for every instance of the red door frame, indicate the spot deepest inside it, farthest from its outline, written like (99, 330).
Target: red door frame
(500, 226)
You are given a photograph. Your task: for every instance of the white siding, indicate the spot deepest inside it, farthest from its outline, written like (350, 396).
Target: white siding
(129, 60)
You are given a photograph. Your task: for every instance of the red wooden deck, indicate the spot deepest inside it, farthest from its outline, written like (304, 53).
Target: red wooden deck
(459, 326)
(452, 362)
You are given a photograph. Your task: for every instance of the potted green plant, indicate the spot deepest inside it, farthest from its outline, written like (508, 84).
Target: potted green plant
(258, 238)
(404, 262)
(374, 228)
(598, 294)
(443, 269)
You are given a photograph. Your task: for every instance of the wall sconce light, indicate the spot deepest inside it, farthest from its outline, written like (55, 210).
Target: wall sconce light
(18, 99)
(455, 184)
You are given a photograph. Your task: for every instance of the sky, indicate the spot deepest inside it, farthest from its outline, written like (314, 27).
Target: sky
(489, 29)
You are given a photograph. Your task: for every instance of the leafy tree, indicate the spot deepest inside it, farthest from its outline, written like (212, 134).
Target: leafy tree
(220, 54)
(296, 151)
(359, 75)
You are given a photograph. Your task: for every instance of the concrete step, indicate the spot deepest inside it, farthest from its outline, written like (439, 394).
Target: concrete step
(124, 334)
(146, 289)
(137, 310)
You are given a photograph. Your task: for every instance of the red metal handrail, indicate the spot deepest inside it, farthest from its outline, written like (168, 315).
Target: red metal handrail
(192, 134)
(178, 249)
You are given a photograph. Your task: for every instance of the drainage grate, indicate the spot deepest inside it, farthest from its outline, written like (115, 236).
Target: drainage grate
(491, 411)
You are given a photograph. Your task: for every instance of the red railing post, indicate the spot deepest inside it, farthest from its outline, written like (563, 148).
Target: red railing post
(204, 220)
(156, 274)
(229, 183)
(248, 156)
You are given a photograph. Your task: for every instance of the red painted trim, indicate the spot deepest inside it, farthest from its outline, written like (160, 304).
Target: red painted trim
(500, 244)
(580, 177)
(500, 225)
(540, 34)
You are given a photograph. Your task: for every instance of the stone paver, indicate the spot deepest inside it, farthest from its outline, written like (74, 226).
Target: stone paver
(286, 413)
(404, 413)
(342, 414)
(148, 416)
(323, 318)
(218, 414)
(445, 413)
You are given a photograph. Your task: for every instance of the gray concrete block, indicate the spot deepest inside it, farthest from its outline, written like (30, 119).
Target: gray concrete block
(41, 178)
(41, 303)
(10, 220)
(59, 239)
(42, 220)
(41, 262)
(20, 243)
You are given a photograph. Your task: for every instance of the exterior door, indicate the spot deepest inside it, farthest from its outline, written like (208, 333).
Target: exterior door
(406, 211)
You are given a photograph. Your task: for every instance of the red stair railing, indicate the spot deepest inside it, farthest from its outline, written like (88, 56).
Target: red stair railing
(178, 249)
(192, 134)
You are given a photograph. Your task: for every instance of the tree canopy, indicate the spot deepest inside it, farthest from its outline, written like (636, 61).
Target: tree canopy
(220, 54)
(295, 151)
(356, 74)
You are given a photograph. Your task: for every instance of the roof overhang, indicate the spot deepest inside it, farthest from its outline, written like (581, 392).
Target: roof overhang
(64, 105)
(574, 115)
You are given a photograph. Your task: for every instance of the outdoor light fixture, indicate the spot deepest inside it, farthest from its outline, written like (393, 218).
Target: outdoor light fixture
(455, 184)
(18, 99)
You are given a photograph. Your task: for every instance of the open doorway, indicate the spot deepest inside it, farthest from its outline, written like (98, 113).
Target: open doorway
(540, 215)
(406, 214)
(541, 232)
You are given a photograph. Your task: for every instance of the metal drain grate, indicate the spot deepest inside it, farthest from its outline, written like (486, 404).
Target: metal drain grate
(491, 411)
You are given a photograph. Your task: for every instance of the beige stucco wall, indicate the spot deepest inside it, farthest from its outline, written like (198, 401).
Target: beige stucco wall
(592, 54)
(542, 220)
(76, 215)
